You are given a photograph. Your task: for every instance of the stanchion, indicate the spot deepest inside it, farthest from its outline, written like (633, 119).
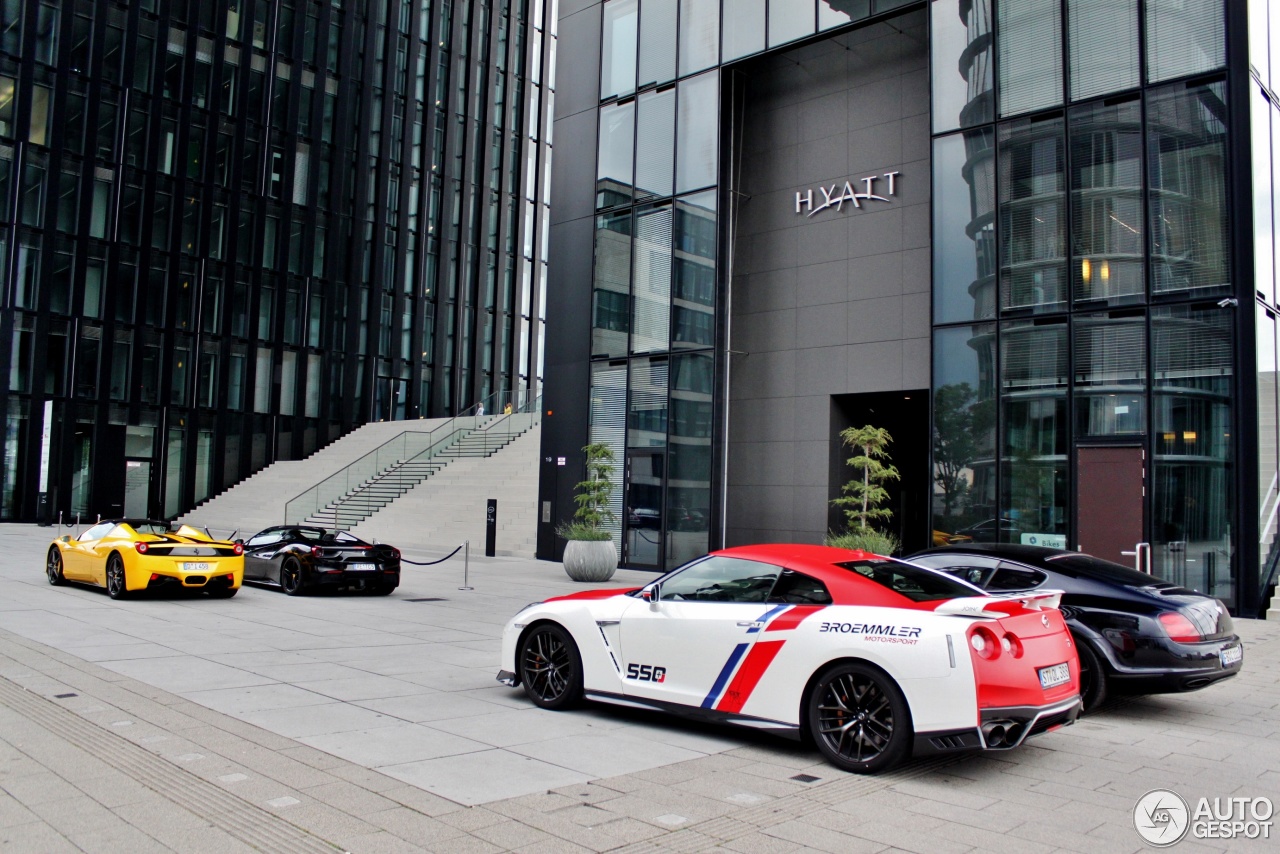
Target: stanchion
(466, 564)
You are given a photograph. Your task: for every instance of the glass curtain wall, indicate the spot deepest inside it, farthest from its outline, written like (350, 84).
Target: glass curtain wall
(1080, 214)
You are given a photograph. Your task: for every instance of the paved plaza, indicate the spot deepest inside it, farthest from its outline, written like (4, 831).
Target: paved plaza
(370, 724)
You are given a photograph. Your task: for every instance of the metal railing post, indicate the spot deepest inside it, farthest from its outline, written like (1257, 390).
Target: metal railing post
(466, 564)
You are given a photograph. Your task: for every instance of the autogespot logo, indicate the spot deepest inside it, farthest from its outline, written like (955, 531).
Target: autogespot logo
(1161, 817)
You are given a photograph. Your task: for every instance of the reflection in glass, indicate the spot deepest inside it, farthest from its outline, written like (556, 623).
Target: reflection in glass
(1184, 37)
(1103, 46)
(1268, 437)
(618, 52)
(1106, 202)
(614, 161)
(1263, 225)
(961, 44)
(689, 457)
(655, 143)
(964, 425)
(697, 149)
(694, 248)
(608, 428)
(699, 35)
(1186, 162)
(1032, 215)
(646, 461)
(744, 29)
(1191, 363)
(651, 307)
(611, 309)
(1110, 356)
(833, 13)
(1029, 44)
(657, 42)
(790, 20)
(964, 226)
(1033, 386)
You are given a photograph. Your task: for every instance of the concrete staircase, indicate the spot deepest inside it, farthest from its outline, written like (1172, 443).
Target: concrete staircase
(372, 495)
(258, 501)
(449, 507)
(1273, 612)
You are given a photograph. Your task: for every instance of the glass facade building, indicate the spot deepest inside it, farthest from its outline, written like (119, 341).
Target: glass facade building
(1094, 272)
(233, 230)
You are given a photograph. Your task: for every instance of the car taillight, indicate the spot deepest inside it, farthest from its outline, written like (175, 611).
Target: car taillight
(1010, 644)
(395, 554)
(315, 551)
(237, 549)
(1179, 628)
(141, 548)
(984, 642)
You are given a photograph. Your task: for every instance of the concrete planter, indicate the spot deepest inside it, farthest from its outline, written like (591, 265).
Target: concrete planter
(590, 560)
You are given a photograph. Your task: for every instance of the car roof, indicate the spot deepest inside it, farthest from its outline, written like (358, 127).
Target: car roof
(1034, 555)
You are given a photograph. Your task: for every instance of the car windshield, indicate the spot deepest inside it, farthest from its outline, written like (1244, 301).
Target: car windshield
(915, 582)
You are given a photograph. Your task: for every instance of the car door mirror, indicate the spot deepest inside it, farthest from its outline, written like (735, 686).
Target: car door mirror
(650, 595)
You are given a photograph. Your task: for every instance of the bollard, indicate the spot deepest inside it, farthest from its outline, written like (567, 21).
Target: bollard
(466, 564)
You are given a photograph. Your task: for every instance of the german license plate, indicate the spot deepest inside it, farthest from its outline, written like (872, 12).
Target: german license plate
(189, 566)
(361, 567)
(1232, 655)
(1055, 675)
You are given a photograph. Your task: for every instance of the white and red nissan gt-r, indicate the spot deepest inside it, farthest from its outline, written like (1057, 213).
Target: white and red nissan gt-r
(874, 658)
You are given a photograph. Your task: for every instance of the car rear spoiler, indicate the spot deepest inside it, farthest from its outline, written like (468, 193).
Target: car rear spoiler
(1000, 606)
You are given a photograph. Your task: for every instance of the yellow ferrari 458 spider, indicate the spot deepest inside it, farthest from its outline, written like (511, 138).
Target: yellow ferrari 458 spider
(128, 555)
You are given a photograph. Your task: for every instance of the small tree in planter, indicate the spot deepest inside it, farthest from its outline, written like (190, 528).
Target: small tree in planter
(590, 554)
(866, 492)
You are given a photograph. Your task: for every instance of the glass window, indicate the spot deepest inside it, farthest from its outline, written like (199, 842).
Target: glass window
(1192, 369)
(608, 427)
(651, 309)
(1103, 46)
(800, 589)
(655, 143)
(699, 35)
(1187, 168)
(614, 161)
(1029, 44)
(1106, 202)
(1263, 177)
(1033, 381)
(618, 53)
(1032, 215)
(8, 94)
(720, 579)
(964, 426)
(1110, 356)
(697, 146)
(657, 41)
(833, 13)
(961, 63)
(1184, 37)
(914, 582)
(612, 285)
(689, 456)
(964, 226)
(744, 29)
(790, 20)
(121, 362)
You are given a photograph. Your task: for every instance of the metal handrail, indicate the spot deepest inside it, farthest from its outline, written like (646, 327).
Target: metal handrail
(399, 450)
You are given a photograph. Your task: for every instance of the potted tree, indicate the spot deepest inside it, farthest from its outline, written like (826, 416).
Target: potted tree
(590, 554)
(864, 495)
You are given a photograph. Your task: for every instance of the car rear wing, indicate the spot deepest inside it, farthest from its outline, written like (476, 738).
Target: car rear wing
(1000, 606)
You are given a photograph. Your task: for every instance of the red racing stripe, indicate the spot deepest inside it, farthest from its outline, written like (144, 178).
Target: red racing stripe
(748, 675)
(792, 618)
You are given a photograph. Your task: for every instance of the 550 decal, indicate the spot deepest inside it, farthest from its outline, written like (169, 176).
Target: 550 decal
(646, 672)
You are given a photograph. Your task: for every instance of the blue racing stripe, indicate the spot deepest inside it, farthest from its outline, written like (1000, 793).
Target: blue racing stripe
(725, 673)
(772, 612)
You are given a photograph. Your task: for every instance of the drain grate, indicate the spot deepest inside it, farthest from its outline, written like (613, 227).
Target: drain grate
(427, 599)
(806, 778)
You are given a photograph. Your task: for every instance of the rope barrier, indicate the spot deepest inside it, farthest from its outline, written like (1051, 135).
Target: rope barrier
(431, 562)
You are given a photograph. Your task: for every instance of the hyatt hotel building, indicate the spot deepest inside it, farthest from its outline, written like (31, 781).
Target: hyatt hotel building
(1034, 239)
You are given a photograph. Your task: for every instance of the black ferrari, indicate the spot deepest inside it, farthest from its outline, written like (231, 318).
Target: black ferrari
(299, 558)
(1134, 633)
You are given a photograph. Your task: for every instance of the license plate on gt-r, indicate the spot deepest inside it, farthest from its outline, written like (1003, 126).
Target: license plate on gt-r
(1232, 655)
(361, 567)
(190, 566)
(1055, 675)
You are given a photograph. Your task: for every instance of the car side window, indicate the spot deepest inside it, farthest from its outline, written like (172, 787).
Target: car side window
(796, 588)
(975, 570)
(264, 539)
(1011, 576)
(721, 579)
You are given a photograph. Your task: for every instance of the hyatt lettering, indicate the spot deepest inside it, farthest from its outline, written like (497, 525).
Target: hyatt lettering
(835, 196)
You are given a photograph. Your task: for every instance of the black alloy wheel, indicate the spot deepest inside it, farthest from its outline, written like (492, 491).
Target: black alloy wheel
(550, 667)
(115, 577)
(53, 567)
(291, 577)
(859, 719)
(1093, 681)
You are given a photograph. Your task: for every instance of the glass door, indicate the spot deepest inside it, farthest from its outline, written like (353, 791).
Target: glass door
(643, 522)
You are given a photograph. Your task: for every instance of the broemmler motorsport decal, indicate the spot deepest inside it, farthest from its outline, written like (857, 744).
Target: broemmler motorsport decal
(907, 635)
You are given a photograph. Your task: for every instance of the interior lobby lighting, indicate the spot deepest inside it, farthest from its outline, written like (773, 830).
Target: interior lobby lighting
(1086, 270)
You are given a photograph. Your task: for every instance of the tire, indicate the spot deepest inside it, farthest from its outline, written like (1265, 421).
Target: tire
(1093, 679)
(116, 588)
(53, 568)
(859, 719)
(550, 668)
(223, 592)
(291, 577)
(382, 590)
